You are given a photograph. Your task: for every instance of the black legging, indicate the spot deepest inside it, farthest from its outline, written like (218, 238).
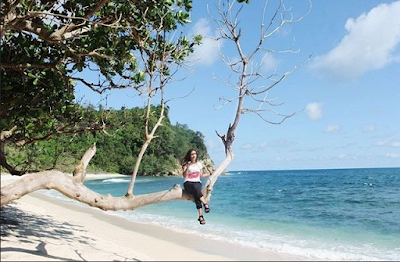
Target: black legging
(194, 188)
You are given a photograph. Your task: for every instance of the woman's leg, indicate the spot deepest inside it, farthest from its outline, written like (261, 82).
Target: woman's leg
(193, 189)
(200, 211)
(200, 198)
(206, 206)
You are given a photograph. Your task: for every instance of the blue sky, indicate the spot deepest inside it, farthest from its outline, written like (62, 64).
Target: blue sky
(346, 98)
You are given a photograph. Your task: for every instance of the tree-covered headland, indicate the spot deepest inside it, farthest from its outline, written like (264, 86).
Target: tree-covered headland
(117, 147)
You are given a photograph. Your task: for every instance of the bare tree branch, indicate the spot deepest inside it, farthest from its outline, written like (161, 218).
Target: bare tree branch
(248, 73)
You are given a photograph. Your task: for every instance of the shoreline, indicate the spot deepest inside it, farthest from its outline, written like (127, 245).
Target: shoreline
(43, 228)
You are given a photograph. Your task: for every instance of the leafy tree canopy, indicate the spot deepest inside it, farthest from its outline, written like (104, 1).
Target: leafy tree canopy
(47, 46)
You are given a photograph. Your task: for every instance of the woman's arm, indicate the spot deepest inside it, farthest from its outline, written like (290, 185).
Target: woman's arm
(204, 175)
(185, 169)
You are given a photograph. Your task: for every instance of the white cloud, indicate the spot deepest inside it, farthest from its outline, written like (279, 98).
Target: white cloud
(369, 128)
(370, 44)
(314, 110)
(211, 144)
(332, 129)
(269, 63)
(281, 143)
(246, 146)
(208, 52)
(393, 155)
(347, 157)
(214, 146)
(261, 147)
(390, 142)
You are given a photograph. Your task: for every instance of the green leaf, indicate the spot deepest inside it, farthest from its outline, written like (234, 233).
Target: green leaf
(6, 88)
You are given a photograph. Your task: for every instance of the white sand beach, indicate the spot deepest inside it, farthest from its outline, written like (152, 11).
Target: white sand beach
(39, 227)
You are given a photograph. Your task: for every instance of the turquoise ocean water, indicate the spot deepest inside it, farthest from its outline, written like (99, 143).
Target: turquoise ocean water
(332, 214)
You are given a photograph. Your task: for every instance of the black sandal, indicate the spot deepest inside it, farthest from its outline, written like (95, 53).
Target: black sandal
(206, 208)
(201, 220)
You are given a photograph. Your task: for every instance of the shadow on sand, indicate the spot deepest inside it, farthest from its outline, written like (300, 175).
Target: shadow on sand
(32, 229)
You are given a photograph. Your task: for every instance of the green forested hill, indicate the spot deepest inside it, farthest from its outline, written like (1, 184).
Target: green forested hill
(117, 148)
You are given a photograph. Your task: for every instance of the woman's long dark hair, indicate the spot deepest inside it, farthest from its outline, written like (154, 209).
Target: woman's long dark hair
(187, 157)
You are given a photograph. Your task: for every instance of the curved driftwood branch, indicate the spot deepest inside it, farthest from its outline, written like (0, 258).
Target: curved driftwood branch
(67, 185)
(74, 188)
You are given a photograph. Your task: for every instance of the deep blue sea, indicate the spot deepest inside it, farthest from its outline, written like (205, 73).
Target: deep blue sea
(332, 214)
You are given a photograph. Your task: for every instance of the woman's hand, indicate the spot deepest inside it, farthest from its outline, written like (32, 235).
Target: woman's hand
(185, 167)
